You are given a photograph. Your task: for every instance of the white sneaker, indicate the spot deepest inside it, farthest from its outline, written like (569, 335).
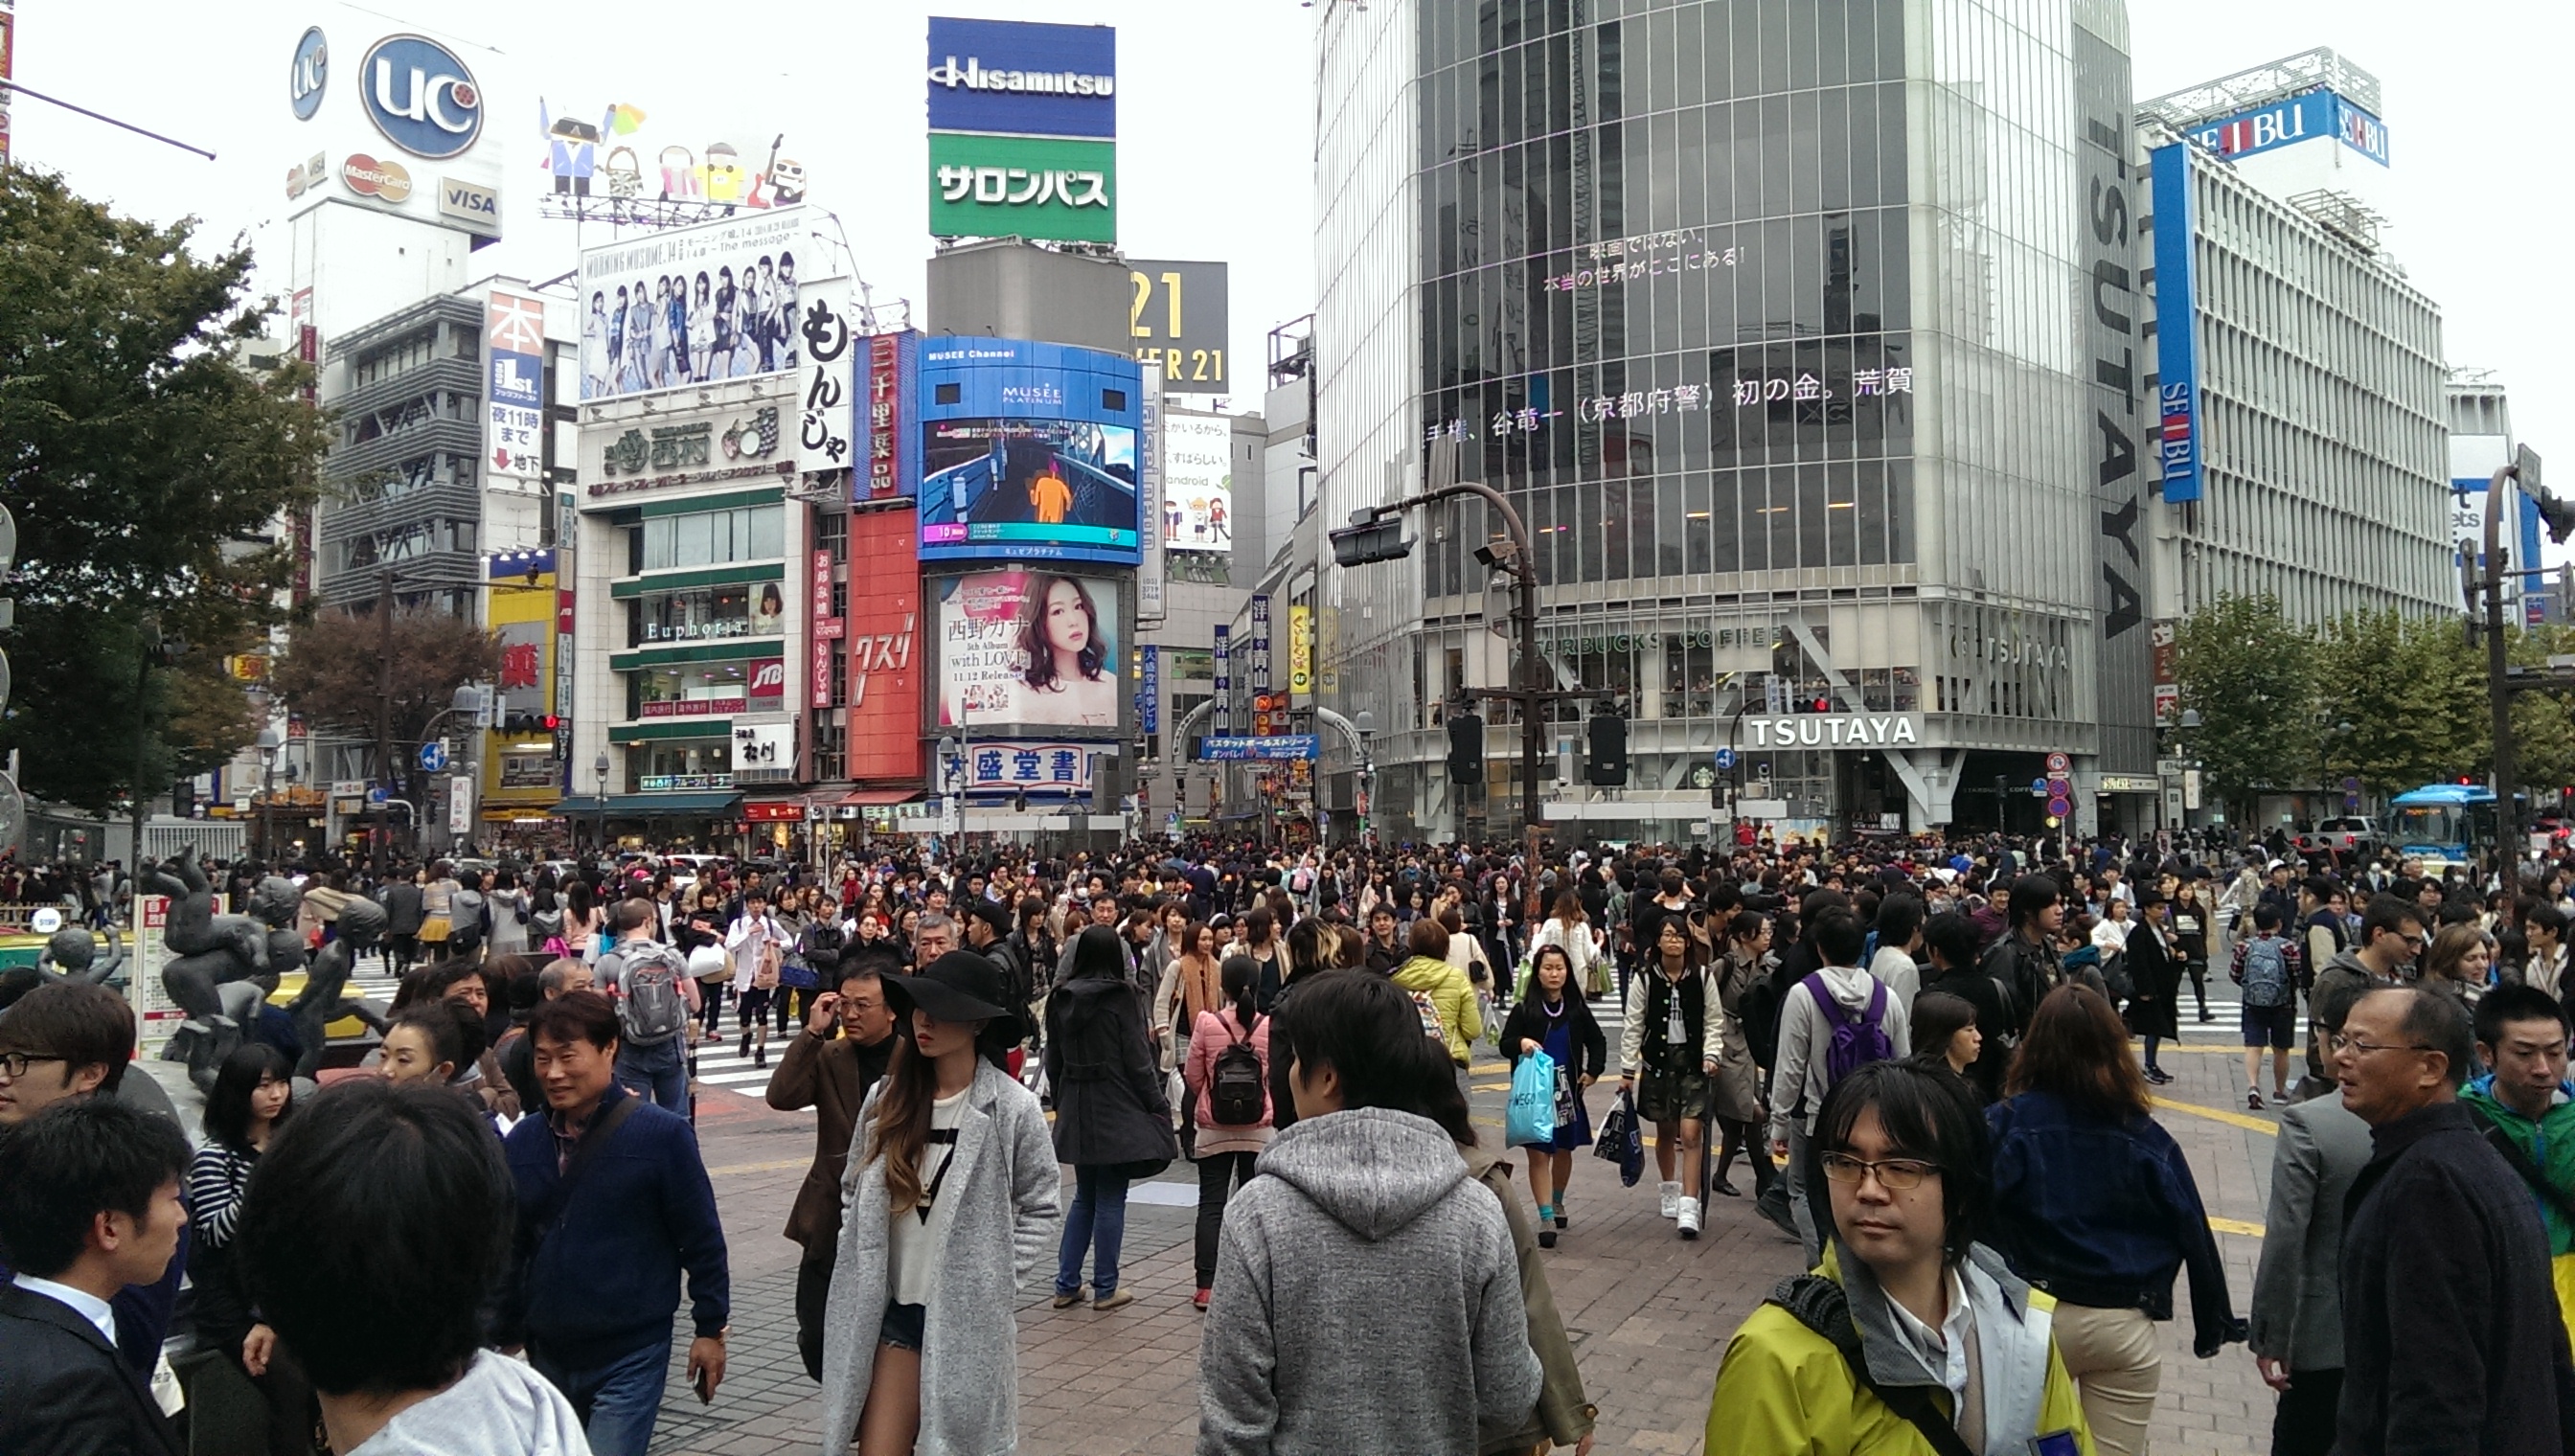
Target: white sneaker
(1690, 1218)
(1671, 1200)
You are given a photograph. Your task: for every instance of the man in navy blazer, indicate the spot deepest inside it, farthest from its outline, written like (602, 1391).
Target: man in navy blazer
(89, 1203)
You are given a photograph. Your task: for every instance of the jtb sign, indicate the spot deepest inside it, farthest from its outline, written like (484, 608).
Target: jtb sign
(2299, 119)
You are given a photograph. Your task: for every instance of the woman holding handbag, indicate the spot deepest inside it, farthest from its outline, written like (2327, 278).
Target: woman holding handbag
(1552, 1020)
(1227, 1148)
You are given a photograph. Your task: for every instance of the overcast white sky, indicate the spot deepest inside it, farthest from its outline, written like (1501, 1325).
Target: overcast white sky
(1215, 121)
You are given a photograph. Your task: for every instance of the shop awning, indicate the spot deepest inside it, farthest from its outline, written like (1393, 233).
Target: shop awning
(879, 797)
(652, 805)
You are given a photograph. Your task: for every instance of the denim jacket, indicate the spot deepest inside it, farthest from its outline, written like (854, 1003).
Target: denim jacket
(2105, 1214)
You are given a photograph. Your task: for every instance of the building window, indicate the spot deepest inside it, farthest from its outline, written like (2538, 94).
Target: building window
(715, 537)
(831, 533)
(830, 744)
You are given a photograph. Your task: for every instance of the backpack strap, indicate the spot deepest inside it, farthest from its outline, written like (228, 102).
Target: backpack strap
(1821, 1305)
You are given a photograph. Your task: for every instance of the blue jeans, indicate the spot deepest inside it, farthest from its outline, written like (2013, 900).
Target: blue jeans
(1095, 1222)
(617, 1402)
(660, 1071)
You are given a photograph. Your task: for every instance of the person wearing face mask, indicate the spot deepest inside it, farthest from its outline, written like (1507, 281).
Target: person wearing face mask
(848, 1038)
(1911, 1337)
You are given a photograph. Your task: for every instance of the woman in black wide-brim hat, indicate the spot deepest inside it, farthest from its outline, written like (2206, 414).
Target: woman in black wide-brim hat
(954, 1202)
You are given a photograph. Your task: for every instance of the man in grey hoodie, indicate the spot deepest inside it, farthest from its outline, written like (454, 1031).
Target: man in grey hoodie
(1368, 1295)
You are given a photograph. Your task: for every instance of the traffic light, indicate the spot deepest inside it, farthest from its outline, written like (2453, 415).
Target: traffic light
(552, 722)
(1608, 766)
(1370, 537)
(1466, 748)
(1821, 704)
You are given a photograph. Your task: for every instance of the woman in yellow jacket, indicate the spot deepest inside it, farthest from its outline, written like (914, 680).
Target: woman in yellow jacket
(1958, 1354)
(1428, 971)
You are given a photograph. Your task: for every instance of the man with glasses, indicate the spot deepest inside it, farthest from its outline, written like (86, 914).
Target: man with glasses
(848, 1040)
(62, 1042)
(2443, 1238)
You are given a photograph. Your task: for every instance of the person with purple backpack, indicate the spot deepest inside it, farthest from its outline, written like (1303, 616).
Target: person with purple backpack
(1833, 1021)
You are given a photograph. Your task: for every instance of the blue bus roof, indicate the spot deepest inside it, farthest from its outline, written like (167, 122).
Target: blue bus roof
(2433, 794)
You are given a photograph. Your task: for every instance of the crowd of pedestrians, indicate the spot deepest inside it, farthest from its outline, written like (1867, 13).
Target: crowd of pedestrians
(1940, 1064)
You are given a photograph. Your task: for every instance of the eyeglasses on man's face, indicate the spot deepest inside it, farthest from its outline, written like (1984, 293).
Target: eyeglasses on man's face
(1896, 1175)
(14, 1065)
(2341, 1043)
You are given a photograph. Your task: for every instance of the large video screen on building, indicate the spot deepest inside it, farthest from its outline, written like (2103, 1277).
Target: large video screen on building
(1029, 452)
(1028, 648)
(1057, 490)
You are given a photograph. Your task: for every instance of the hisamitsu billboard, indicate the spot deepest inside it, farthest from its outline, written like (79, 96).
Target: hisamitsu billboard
(1020, 78)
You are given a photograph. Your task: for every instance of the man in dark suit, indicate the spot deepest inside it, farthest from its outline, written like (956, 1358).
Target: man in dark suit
(89, 1203)
(844, 1050)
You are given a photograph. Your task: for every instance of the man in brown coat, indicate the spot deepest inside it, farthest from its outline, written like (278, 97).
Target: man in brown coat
(847, 1041)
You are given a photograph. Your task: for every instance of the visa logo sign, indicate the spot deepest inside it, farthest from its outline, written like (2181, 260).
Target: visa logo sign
(2315, 114)
(479, 208)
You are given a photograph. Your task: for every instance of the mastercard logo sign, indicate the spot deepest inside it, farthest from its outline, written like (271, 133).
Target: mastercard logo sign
(367, 177)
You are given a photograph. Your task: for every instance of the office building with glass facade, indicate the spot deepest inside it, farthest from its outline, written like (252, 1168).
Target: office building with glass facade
(1805, 337)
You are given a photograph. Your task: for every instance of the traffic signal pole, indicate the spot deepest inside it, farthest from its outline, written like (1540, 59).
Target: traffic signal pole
(1529, 692)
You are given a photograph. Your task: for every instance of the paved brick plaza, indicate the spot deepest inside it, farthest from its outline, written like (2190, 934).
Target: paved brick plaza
(1649, 1314)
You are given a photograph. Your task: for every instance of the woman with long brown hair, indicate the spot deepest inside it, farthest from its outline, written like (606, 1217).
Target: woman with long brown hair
(1570, 926)
(951, 1207)
(2093, 1200)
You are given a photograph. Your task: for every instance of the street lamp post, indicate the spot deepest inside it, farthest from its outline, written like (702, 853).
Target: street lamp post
(270, 740)
(599, 769)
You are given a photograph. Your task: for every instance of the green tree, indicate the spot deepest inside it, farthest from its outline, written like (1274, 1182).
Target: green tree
(142, 462)
(2249, 673)
(2543, 723)
(2413, 694)
(328, 674)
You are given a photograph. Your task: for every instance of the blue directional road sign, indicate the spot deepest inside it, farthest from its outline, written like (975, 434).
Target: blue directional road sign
(432, 757)
(1725, 759)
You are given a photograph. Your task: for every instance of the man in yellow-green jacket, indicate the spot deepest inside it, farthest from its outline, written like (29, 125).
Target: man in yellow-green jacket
(1909, 1339)
(2526, 1109)
(1429, 972)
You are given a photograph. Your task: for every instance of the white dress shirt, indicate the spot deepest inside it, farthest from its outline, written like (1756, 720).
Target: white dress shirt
(89, 1306)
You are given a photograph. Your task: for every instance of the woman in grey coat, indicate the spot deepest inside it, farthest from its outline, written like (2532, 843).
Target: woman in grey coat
(1112, 1112)
(950, 1204)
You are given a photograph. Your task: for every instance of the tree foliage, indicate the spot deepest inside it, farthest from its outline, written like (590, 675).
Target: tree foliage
(141, 461)
(2249, 675)
(327, 673)
(2415, 698)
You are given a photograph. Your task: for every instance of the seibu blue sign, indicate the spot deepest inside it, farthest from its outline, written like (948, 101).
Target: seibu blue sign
(1274, 745)
(2299, 119)
(1023, 79)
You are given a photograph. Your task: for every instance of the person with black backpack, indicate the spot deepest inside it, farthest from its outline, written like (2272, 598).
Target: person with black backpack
(1228, 1075)
(1833, 1021)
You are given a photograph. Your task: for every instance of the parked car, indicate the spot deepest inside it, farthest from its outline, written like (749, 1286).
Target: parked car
(2343, 837)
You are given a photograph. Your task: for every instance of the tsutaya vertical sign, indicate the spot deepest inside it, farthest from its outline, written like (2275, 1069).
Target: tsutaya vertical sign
(515, 424)
(1224, 714)
(2111, 335)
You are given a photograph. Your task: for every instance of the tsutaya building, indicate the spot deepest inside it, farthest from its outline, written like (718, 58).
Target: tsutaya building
(1762, 329)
